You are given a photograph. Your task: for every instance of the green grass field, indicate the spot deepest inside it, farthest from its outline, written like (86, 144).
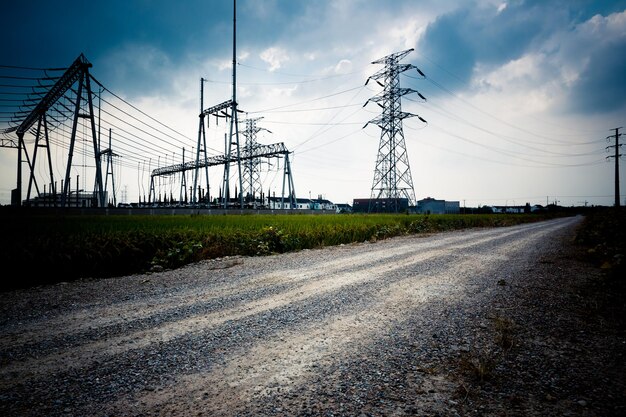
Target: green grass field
(81, 246)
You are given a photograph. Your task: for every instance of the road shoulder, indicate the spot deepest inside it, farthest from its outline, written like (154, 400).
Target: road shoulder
(556, 344)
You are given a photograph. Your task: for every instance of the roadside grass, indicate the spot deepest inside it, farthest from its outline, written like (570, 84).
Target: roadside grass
(603, 233)
(50, 248)
(599, 303)
(603, 301)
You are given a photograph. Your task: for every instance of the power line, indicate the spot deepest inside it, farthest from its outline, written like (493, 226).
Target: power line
(32, 68)
(306, 101)
(507, 138)
(140, 111)
(503, 152)
(318, 77)
(553, 141)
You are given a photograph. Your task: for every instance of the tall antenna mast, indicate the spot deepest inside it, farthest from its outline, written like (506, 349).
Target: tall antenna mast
(233, 123)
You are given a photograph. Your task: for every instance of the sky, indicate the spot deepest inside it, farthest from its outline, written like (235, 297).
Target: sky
(520, 95)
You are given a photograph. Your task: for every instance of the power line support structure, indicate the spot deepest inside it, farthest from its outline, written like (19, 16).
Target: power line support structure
(183, 183)
(392, 173)
(43, 123)
(617, 155)
(275, 150)
(233, 138)
(250, 154)
(109, 169)
(251, 175)
(201, 148)
(78, 72)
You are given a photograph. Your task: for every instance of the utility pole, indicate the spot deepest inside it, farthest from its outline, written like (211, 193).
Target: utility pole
(233, 136)
(616, 156)
(392, 174)
(201, 146)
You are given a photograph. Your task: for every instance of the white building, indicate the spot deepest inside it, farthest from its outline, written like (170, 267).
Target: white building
(279, 203)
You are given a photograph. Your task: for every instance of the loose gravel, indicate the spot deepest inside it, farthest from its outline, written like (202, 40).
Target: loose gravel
(473, 322)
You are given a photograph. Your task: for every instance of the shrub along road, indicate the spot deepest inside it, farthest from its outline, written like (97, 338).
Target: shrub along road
(473, 322)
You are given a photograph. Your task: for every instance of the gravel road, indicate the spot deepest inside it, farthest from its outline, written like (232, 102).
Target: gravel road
(415, 325)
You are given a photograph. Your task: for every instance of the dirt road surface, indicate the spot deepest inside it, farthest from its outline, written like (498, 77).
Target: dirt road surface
(472, 322)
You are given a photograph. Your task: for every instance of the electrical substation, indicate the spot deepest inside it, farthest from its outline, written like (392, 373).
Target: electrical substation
(69, 110)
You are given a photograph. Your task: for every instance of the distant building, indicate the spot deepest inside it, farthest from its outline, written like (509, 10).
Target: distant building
(322, 204)
(343, 208)
(516, 209)
(432, 206)
(279, 203)
(380, 205)
(80, 199)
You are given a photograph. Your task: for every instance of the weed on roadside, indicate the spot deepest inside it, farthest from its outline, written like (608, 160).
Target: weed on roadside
(505, 329)
(477, 366)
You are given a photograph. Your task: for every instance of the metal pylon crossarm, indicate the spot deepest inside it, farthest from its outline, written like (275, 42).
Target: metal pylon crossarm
(58, 90)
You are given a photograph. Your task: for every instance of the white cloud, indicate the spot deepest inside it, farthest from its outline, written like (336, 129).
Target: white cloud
(521, 86)
(526, 70)
(343, 66)
(224, 64)
(275, 57)
(243, 56)
(278, 92)
(407, 32)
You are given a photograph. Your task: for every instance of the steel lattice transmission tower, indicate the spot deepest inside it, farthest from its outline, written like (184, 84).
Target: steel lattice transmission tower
(392, 174)
(251, 167)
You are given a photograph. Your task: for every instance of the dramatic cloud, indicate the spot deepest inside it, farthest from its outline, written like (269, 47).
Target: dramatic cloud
(487, 46)
(595, 52)
(150, 69)
(511, 85)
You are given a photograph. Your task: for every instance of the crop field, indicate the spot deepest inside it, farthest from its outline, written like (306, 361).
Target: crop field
(49, 248)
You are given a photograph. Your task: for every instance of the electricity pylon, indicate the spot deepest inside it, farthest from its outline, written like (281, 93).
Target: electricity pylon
(392, 173)
(251, 174)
